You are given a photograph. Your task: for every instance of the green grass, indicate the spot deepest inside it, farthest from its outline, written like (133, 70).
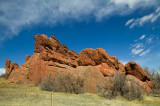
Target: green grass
(30, 95)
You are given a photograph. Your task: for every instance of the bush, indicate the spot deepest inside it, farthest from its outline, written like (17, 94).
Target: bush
(155, 77)
(118, 82)
(47, 84)
(63, 83)
(134, 91)
(104, 91)
(156, 83)
(119, 86)
(19, 82)
(38, 82)
(69, 83)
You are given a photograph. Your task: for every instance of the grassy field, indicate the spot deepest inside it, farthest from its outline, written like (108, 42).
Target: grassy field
(30, 95)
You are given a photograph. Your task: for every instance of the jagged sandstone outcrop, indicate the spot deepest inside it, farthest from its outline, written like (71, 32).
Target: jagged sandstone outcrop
(94, 65)
(9, 66)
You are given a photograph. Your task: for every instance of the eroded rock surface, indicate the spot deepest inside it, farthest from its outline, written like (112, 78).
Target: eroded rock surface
(134, 69)
(94, 65)
(9, 66)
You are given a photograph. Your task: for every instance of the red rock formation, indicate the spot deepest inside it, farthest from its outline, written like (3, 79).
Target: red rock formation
(105, 69)
(27, 58)
(144, 86)
(9, 66)
(134, 69)
(121, 68)
(95, 57)
(50, 56)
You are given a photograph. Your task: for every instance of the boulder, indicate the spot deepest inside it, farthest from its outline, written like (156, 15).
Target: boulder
(143, 85)
(134, 69)
(121, 68)
(105, 69)
(95, 57)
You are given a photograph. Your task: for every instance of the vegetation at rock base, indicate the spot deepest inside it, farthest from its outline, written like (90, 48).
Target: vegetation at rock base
(120, 87)
(155, 77)
(31, 95)
(63, 83)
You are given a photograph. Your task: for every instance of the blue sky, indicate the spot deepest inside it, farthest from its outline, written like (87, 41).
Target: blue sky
(128, 29)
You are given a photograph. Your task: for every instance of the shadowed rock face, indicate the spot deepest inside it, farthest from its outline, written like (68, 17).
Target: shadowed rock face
(134, 69)
(50, 57)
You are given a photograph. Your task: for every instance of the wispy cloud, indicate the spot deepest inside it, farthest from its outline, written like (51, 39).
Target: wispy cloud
(137, 48)
(150, 18)
(149, 40)
(136, 51)
(16, 15)
(2, 71)
(129, 22)
(142, 37)
(143, 45)
(145, 52)
(139, 45)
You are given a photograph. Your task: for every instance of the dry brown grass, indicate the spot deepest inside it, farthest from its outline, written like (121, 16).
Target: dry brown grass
(30, 95)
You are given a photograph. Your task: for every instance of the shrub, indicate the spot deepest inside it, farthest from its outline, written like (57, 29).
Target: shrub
(63, 83)
(116, 87)
(38, 82)
(120, 87)
(104, 91)
(69, 83)
(134, 91)
(47, 84)
(156, 82)
(118, 83)
(155, 77)
(19, 82)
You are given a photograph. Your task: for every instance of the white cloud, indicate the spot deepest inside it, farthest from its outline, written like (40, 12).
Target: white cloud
(142, 37)
(139, 45)
(149, 40)
(2, 71)
(129, 22)
(145, 52)
(143, 47)
(150, 18)
(137, 48)
(19, 14)
(136, 51)
(134, 3)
